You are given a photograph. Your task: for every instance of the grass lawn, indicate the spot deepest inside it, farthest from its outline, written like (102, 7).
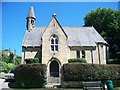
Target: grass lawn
(117, 88)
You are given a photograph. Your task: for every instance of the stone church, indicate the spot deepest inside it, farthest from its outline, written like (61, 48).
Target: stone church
(55, 44)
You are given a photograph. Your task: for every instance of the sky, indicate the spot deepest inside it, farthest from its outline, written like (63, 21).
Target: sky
(13, 25)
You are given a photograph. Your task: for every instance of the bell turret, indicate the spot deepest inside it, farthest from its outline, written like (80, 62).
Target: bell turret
(30, 19)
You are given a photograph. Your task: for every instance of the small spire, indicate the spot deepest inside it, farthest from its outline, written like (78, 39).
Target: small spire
(31, 12)
(54, 15)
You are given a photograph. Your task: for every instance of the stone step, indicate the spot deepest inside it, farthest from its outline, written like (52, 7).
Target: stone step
(53, 85)
(53, 80)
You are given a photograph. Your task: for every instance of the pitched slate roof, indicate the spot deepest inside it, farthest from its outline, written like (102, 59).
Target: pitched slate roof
(33, 38)
(77, 36)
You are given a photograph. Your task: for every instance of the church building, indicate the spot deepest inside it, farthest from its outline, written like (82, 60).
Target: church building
(54, 44)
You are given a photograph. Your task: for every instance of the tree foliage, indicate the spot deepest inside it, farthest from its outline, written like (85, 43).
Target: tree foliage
(8, 62)
(5, 58)
(107, 23)
(10, 66)
(18, 60)
(11, 58)
(3, 67)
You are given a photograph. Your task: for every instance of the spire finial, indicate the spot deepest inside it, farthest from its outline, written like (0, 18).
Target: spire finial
(54, 15)
(31, 12)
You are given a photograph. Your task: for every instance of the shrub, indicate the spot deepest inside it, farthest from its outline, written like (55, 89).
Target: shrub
(113, 61)
(77, 60)
(85, 72)
(32, 60)
(30, 75)
(115, 71)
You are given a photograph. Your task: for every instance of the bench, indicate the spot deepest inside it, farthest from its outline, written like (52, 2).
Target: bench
(92, 85)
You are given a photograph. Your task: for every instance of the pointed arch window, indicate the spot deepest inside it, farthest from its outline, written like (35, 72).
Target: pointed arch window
(54, 42)
(78, 54)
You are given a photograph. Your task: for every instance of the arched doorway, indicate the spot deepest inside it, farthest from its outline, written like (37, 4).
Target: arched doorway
(54, 69)
(54, 72)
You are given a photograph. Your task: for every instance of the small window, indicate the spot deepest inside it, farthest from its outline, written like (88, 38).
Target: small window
(56, 47)
(78, 54)
(83, 54)
(54, 42)
(52, 47)
(32, 22)
(54, 25)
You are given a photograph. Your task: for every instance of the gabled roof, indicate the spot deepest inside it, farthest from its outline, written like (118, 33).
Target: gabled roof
(77, 36)
(83, 36)
(33, 38)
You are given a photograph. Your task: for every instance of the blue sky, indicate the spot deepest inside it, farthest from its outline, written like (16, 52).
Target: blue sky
(68, 14)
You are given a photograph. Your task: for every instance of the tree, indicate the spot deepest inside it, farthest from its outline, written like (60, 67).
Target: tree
(5, 58)
(18, 60)
(10, 66)
(107, 23)
(11, 58)
(3, 67)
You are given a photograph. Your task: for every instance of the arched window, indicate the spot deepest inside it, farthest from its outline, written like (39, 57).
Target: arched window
(83, 54)
(78, 54)
(54, 42)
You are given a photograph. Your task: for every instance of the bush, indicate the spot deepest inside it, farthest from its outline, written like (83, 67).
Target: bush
(32, 60)
(113, 61)
(86, 72)
(77, 60)
(115, 71)
(30, 75)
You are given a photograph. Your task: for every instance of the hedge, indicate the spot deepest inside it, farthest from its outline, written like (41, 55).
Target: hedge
(30, 75)
(32, 60)
(113, 61)
(90, 72)
(77, 60)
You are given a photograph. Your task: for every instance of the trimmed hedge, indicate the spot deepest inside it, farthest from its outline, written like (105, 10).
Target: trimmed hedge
(32, 60)
(86, 72)
(77, 60)
(113, 61)
(30, 75)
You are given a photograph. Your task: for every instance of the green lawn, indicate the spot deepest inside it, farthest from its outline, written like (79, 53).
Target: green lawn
(117, 88)
(49, 89)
